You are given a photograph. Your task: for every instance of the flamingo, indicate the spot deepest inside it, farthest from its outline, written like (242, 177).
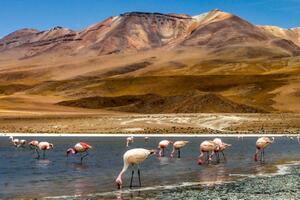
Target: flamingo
(16, 142)
(80, 147)
(162, 145)
(146, 138)
(129, 141)
(207, 147)
(34, 145)
(261, 144)
(133, 157)
(177, 146)
(43, 146)
(222, 147)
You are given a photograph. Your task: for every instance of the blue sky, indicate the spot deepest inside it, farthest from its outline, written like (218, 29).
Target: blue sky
(78, 14)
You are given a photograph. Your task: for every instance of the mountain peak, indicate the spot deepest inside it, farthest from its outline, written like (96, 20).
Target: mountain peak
(20, 33)
(212, 16)
(147, 14)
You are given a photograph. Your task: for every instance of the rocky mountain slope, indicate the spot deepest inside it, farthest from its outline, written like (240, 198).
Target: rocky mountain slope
(155, 63)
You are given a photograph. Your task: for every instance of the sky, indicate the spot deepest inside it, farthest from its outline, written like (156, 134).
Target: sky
(78, 14)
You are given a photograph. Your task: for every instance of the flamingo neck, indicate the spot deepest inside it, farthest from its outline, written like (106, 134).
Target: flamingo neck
(119, 178)
(173, 152)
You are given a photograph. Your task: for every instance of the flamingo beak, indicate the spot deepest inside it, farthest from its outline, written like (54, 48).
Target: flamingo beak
(119, 185)
(200, 162)
(153, 152)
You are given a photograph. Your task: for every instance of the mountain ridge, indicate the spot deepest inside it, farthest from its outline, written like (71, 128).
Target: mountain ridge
(140, 31)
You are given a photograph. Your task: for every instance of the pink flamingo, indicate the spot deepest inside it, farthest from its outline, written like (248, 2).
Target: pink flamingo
(80, 147)
(222, 147)
(162, 145)
(133, 157)
(129, 141)
(207, 147)
(43, 146)
(261, 144)
(177, 146)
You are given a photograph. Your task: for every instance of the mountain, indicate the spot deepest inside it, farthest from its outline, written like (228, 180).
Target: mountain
(154, 63)
(217, 31)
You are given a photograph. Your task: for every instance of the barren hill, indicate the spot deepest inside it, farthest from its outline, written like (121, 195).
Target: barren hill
(154, 63)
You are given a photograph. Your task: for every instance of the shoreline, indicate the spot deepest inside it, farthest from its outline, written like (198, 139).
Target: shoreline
(155, 124)
(281, 169)
(140, 135)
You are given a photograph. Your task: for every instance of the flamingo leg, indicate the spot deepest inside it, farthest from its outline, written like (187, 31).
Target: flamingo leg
(139, 174)
(210, 156)
(163, 152)
(38, 154)
(85, 155)
(255, 155)
(43, 154)
(132, 172)
(178, 153)
(224, 156)
(263, 154)
(218, 157)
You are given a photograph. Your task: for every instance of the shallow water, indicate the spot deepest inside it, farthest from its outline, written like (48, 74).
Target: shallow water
(60, 177)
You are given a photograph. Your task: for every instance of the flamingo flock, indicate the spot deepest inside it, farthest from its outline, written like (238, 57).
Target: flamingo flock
(135, 157)
(17, 142)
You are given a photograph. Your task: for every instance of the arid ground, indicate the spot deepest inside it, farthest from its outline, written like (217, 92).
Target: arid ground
(113, 122)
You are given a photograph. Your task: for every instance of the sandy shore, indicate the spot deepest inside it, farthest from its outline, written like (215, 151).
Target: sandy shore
(137, 135)
(153, 124)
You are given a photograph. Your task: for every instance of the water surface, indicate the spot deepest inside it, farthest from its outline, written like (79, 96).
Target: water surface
(60, 177)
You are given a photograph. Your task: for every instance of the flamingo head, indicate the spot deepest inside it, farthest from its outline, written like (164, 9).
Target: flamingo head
(71, 151)
(227, 145)
(200, 162)
(51, 146)
(273, 139)
(119, 183)
(11, 137)
(153, 151)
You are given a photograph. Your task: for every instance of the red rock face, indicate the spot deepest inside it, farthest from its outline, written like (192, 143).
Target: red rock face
(216, 31)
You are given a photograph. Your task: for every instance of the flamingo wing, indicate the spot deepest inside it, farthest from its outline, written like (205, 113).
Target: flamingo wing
(85, 145)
